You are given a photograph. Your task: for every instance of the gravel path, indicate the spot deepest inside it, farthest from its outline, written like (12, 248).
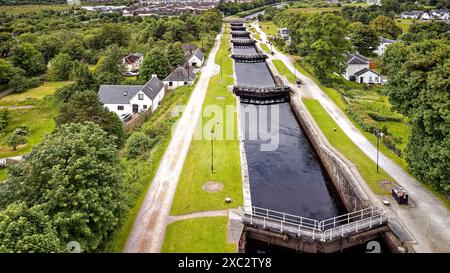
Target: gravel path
(149, 228)
(429, 221)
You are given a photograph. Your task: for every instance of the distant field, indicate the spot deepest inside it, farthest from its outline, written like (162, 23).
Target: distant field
(48, 88)
(32, 8)
(404, 24)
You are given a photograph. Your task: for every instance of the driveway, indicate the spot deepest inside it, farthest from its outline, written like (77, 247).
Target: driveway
(149, 228)
(428, 221)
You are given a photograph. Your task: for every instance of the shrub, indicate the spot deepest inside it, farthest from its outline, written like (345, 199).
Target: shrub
(138, 144)
(21, 83)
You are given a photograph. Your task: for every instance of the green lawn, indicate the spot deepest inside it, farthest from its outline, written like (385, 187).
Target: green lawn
(3, 174)
(265, 48)
(190, 196)
(179, 96)
(402, 129)
(268, 27)
(284, 71)
(19, 9)
(48, 88)
(210, 236)
(404, 24)
(365, 166)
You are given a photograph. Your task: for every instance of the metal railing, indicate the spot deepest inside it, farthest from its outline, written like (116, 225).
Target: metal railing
(329, 229)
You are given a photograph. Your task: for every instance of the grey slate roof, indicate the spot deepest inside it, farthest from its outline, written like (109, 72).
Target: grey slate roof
(356, 58)
(364, 70)
(386, 41)
(197, 53)
(121, 94)
(180, 74)
(152, 87)
(118, 94)
(189, 47)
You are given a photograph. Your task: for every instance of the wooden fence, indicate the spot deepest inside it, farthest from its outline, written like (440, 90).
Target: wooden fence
(137, 120)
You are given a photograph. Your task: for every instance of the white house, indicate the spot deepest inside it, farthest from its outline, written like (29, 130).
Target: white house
(132, 63)
(358, 69)
(426, 16)
(127, 99)
(415, 14)
(196, 58)
(179, 77)
(284, 33)
(368, 76)
(383, 45)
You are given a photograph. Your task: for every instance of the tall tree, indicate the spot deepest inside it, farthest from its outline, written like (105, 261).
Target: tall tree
(324, 44)
(386, 27)
(364, 38)
(85, 106)
(419, 87)
(27, 230)
(74, 176)
(60, 67)
(155, 62)
(111, 61)
(27, 57)
(175, 54)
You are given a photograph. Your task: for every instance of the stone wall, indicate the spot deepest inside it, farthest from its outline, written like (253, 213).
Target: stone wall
(343, 173)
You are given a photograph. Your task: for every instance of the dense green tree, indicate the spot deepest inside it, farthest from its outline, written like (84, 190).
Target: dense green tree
(49, 46)
(419, 87)
(82, 76)
(111, 61)
(74, 176)
(15, 139)
(19, 82)
(7, 70)
(175, 54)
(85, 106)
(27, 57)
(26, 229)
(324, 44)
(155, 62)
(74, 48)
(364, 38)
(5, 118)
(386, 27)
(60, 67)
(138, 144)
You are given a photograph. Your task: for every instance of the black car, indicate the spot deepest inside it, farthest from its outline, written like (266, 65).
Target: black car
(299, 82)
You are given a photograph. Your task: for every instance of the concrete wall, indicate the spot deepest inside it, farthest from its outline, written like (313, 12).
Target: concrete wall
(342, 172)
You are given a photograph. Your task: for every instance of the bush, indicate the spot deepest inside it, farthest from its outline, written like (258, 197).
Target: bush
(16, 139)
(379, 117)
(21, 83)
(5, 118)
(138, 144)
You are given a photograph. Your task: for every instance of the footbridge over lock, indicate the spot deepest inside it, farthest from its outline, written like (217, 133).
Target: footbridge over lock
(295, 195)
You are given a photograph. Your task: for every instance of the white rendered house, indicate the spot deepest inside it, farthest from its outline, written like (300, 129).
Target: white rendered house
(127, 99)
(181, 76)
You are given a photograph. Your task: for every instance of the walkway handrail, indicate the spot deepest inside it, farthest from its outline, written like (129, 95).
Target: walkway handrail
(324, 230)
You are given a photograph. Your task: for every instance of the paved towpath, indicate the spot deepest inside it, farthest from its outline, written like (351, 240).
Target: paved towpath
(149, 228)
(429, 220)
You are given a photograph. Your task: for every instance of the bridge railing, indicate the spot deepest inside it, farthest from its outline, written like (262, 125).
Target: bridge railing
(325, 230)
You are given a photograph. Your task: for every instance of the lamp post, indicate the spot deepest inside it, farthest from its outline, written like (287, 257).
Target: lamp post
(379, 135)
(212, 150)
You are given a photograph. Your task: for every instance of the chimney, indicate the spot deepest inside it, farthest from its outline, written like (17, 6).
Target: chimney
(154, 76)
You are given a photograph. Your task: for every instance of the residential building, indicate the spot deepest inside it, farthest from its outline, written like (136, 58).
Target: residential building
(132, 63)
(196, 58)
(126, 99)
(359, 69)
(181, 76)
(384, 42)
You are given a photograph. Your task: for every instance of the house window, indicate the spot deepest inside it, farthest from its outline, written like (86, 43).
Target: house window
(194, 64)
(185, 83)
(120, 108)
(145, 106)
(376, 79)
(170, 84)
(140, 96)
(370, 78)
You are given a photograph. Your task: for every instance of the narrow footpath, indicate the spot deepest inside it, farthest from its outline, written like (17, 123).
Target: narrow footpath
(149, 228)
(429, 220)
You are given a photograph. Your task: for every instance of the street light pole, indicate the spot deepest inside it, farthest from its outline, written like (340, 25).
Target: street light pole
(378, 145)
(212, 150)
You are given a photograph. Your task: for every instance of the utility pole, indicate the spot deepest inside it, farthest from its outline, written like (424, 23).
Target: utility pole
(379, 135)
(212, 150)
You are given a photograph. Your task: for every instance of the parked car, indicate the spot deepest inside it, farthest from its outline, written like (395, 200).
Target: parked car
(299, 82)
(125, 117)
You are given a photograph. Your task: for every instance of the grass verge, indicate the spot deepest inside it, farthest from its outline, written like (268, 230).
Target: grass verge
(365, 166)
(210, 236)
(190, 197)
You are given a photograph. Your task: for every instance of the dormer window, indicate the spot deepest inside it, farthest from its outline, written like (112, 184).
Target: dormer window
(140, 96)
